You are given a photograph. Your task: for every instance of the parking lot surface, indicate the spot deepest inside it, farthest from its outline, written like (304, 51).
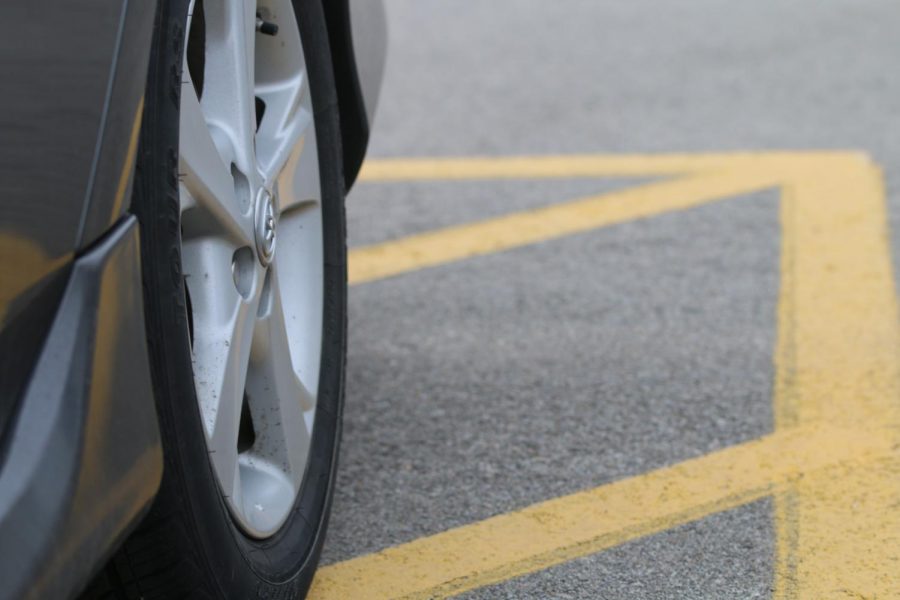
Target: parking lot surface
(623, 320)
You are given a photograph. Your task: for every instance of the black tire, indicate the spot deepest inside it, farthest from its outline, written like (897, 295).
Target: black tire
(189, 546)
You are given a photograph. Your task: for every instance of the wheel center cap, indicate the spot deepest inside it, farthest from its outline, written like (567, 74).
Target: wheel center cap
(266, 222)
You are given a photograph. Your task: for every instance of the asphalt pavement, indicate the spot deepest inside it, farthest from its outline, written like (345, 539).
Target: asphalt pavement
(479, 387)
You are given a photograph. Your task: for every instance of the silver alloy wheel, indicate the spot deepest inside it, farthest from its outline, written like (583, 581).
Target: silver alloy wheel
(252, 252)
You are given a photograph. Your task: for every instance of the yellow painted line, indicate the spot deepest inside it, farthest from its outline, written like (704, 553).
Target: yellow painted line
(569, 166)
(833, 462)
(838, 361)
(538, 225)
(559, 530)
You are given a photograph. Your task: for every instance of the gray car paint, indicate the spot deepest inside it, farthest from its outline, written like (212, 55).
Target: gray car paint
(84, 458)
(368, 25)
(73, 76)
(80, 457)
(79, 444)
(110, 190)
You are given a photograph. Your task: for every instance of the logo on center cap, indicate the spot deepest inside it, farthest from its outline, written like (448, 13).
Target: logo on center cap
(266, 224)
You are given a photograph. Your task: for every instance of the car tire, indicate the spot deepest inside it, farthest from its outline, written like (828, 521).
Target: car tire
(191, 545)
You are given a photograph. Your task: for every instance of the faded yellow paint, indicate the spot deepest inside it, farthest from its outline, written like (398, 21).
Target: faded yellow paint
(575, 165)
(559, 530)
(542, 224)
(838, 362)
(832, 462)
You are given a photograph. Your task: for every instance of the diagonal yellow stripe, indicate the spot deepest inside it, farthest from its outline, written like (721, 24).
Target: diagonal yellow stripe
(836, 476)
(559, 530)
(529, 227)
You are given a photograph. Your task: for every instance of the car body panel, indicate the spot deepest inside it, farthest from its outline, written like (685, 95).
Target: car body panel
(368, 25)
(110, 191)
(80, 455)
(84, 457)
(59, 63)
(51, 51)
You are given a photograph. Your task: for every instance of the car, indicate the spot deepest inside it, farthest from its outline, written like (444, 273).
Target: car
(173, 289)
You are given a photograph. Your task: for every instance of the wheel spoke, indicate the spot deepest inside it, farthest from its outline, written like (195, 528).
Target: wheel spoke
(285, 131)
(278, 398)
(299, 266)
(207, 178)
(298, 181)
(220, 367)
(223, 334)
(286, 127)
(228, 96)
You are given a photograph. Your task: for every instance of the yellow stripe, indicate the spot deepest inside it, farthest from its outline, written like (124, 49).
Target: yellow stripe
(518, 229)
(833, 460)
(559, 530)
(583, 165)
(838, 362)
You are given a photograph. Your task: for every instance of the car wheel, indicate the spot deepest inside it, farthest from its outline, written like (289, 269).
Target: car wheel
(239, 192)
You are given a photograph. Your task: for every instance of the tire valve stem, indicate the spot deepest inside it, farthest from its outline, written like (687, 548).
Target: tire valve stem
(265, 27)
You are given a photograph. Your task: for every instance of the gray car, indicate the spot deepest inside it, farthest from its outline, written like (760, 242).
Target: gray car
(173, 289)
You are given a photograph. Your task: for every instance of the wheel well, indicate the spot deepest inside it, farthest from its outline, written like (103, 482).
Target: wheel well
(351, 107)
